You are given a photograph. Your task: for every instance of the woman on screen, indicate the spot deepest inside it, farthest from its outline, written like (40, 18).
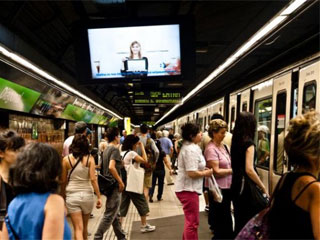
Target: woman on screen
(130, 64)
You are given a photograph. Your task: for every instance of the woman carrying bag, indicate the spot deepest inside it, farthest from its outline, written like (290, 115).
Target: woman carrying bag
(246, 183)
(129, 146)
(218, 158)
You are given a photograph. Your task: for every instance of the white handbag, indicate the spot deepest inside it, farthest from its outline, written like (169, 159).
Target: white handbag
(135, 178)
(214, 189)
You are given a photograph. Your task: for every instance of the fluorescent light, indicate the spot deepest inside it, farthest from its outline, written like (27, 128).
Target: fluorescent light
(266, 29)
(24, 62)
(295, 5)
(156, 109)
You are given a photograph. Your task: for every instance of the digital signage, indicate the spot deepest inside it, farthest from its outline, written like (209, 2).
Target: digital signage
(134, 51)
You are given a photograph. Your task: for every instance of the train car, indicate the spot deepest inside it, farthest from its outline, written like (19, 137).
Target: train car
(274, 100)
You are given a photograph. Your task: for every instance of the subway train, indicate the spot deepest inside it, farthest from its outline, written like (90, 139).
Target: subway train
(274, 100)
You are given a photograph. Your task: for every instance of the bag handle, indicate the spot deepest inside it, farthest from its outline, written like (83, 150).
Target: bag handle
(73, 167)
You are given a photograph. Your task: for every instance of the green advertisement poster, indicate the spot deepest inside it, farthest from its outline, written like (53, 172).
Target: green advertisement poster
(103, 120)
(95, 119)
(73, 113)
(88, 116)
(16, 97)
(113, 122)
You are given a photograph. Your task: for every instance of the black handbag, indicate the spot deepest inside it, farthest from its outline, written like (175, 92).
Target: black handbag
(106, 185)
(258, 200)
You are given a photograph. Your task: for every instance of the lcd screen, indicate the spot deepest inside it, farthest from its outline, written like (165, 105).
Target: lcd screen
(140, 51)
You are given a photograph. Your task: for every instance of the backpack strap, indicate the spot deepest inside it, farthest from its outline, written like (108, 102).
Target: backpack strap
(305, 187)
(73, 168)
(70, 161)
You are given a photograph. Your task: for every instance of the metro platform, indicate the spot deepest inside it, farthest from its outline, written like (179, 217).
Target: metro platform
(168, 207)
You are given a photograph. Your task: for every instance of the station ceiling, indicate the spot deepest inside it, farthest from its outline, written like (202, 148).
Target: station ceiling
(220, 27)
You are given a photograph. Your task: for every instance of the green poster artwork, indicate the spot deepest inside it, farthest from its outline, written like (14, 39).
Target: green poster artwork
(103, 120)
(16, 97)
(95, 119)
(88, 116)
(73, 113)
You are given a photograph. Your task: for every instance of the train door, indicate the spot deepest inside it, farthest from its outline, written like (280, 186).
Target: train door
(232, 111)
(245, 100)
(309, 81)
(262, 102)
(280, 121)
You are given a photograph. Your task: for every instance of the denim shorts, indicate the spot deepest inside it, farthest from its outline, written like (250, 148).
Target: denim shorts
(80, 202)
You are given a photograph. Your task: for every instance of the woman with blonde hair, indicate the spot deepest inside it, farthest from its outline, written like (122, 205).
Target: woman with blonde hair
(218, 158)
(295, 211)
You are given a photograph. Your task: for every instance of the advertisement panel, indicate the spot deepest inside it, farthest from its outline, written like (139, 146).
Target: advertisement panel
(16, 97)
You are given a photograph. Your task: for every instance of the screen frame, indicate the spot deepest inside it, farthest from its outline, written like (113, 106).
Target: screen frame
(82, 51)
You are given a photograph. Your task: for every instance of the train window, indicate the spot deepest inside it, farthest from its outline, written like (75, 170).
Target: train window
(233, 112)
(245, 107)
(263, 115)
(280, 132)
(309, 97)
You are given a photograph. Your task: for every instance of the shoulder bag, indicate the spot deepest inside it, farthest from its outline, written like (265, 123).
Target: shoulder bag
(214, 189)
(257, 227)
(106, 185)
(135, 178)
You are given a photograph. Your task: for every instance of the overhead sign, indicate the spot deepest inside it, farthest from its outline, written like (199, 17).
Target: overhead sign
(156, 97)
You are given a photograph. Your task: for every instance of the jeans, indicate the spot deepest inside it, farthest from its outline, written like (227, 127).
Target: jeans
(157, 174)
(190, 202)
(111, 217)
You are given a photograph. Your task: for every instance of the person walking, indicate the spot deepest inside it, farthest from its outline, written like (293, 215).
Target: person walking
(112, 164)
(78, 182)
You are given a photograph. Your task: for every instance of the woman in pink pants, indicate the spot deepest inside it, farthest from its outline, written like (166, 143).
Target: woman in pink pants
(191, 170)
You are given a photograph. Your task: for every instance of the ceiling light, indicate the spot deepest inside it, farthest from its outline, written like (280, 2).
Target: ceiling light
(156, 109)
(266, 29)
(295, 5)
(130, 92)
(49, 77)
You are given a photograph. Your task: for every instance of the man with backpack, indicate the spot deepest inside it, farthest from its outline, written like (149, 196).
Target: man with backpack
(152, 154)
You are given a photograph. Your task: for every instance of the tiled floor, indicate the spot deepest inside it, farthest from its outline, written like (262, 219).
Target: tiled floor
(169, 206)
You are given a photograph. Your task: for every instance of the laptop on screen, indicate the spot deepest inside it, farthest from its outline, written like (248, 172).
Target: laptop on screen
(136, 65)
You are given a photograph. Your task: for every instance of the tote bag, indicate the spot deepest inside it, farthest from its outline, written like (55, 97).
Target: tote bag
(215, 190)
(135, 178)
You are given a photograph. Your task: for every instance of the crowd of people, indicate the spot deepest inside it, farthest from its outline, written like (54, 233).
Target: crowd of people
(37, 185)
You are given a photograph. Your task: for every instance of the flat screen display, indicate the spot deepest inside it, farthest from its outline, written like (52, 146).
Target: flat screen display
(139, 51)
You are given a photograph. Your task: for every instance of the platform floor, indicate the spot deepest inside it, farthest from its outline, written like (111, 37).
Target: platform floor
(169, 206)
